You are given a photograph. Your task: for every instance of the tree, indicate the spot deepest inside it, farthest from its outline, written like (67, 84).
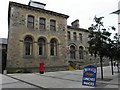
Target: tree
(117, 49)
(99, 39)
(110, 52)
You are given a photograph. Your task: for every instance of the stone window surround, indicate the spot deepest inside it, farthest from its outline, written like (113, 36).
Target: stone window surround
(37, 21)
(46, 46)
(30, 21)
(72, 52)
(74, 36)
(28, 46)
(53, 47)
(77, 52)
(42, 23)
(53, 24)
(77, 36)
(42, 46)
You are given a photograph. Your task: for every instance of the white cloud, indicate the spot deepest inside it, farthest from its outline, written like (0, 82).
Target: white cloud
(84, 10)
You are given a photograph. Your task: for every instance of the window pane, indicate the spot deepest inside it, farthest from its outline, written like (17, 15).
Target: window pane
(40, 50)
(30, 25)
(80, 37)
(69, 37)
(52, 50)
(72, 52)
(52, 25)
(74, 36)
(41, 43)
(30, 18)
(30, 21)
(42, 21)
(53, 47)
(42, 24)
(52, 22)
(28, 46)
(81, 53)
(42, 27)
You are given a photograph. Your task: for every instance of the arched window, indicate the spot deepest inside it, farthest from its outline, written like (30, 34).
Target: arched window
(28, 45)
(81, 56)
(30, 21)
(72, 52)
(41, 44)
(53, 47)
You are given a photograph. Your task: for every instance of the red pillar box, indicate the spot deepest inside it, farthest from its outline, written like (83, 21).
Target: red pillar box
(41, 68)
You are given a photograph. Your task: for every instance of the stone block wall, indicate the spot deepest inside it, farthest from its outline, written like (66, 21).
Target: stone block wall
(18, 30)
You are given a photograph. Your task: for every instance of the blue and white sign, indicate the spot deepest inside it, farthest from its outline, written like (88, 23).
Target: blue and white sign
(89, 75)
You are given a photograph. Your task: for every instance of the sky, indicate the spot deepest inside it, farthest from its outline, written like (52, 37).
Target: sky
(84, 10)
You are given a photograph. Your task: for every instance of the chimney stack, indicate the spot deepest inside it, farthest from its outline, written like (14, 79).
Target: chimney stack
(75, 23)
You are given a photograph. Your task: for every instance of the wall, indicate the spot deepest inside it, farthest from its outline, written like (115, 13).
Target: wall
(77, 43)
(17, 32)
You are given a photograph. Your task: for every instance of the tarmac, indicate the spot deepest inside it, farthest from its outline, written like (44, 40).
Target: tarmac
(60, 80)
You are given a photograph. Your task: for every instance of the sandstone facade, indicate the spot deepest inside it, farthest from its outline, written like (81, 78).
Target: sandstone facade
(18, 31)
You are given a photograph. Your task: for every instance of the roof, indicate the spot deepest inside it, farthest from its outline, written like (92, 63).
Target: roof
(116, 12)
(37, 9)
(75, 21)
(37, 2)
(3, 41)
(80, 29)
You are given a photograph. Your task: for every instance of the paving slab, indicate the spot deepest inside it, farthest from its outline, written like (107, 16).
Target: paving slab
(8, 82)
(68, 79)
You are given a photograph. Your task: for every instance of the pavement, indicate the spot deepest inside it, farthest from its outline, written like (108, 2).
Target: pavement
(60, 79)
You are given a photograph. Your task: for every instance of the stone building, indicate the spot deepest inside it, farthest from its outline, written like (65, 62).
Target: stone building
(77, 41)
(38, 35)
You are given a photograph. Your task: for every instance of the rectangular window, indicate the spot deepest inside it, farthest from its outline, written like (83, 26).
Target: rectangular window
(80, 37)
(74, 36)
(30, 21)
(69, 36)
(53, 25)
(42, 23)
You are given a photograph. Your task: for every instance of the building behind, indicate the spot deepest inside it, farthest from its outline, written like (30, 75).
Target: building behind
(3, 54)
(37, 35)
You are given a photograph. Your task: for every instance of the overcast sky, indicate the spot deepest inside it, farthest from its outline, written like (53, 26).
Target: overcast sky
(84, 10)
